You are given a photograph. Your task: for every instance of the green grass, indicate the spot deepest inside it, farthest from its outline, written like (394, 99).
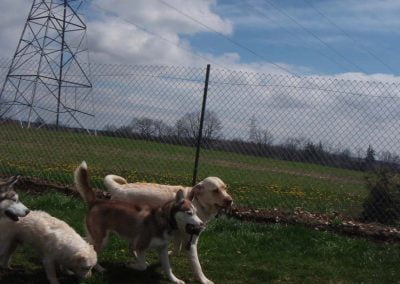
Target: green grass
(253, 181)
(230, 252)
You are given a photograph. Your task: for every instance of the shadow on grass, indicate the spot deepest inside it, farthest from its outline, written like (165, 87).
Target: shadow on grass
(121, 274)
(115, 273)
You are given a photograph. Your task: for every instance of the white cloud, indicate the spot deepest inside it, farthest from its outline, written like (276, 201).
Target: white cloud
(12, 19)
(148, 32)
(158, 16)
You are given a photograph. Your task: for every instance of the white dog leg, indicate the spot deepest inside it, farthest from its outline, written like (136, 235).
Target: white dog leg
(177, 245)
(194, 260)
(141, 263)
(50, 269)
(163, 254)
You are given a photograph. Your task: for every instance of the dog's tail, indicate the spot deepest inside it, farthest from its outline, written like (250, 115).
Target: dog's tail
(81, 178)
(113, 182)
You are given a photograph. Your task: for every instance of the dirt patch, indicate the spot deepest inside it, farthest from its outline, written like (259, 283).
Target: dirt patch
(36, 186)
(334, 222)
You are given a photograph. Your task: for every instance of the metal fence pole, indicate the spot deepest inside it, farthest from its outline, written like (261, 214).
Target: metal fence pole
(199, 137)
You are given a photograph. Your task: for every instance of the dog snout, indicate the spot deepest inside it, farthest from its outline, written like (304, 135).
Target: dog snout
(228, 202)
(194, 229)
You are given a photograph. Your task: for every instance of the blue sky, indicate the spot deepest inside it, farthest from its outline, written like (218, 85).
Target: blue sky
(326, 37)
(306, 37)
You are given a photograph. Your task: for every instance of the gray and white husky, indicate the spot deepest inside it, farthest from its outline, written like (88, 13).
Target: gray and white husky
(10, 206)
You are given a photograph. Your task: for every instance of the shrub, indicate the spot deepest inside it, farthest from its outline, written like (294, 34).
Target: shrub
(383, 202)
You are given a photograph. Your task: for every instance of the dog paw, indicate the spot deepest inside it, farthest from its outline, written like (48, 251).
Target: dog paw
(207, 281)
(178, 281)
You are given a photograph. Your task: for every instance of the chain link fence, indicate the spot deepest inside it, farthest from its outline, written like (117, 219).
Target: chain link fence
(278, 141)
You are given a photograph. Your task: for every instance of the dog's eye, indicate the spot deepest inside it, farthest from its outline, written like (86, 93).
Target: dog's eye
(216, 190)
(189, 213)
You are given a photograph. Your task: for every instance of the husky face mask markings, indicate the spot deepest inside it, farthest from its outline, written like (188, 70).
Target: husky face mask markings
(186, 216)
(10, 206)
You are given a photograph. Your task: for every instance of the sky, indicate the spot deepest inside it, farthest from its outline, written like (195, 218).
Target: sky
(324, 70)
(302, 37)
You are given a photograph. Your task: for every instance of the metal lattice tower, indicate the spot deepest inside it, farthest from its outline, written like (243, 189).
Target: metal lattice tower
(48, 80)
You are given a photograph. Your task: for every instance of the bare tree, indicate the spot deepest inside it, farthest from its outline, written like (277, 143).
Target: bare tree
(110, 127)
(149, 127)
(188, 126)
(258, 135)
(293, 143)
(143, 126)
(389, 157)
(162, 129)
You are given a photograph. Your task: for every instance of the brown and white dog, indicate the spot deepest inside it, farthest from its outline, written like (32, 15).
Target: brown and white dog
(208, 197)
(144, 225)
(10, 206)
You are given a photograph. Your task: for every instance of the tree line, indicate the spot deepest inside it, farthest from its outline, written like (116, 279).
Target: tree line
(259, 142)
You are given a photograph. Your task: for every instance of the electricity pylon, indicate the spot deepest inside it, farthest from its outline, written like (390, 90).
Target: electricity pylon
(49, 77)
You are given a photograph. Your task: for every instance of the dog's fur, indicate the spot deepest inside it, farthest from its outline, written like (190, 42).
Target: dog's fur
(142, 224)
(10, 206)
(54, 239)
(208, 196)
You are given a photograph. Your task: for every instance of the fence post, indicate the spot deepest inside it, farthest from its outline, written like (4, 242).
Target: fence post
(200, 135)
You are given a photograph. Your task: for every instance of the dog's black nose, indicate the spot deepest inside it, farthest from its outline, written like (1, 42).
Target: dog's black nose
(228, 202)
(194, 229)
(27, 211)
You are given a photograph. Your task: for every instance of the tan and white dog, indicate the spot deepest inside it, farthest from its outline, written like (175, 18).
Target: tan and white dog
(208, 197)
(144, 225)
(54, 239)
(10, 206)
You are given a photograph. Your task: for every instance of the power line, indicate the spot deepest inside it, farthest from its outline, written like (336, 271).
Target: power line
(263, 14)
(315, 36)
(360, 45)
(156, 35)
(227, 38)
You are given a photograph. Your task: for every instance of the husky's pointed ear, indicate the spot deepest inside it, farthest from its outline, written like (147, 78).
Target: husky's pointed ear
(179, 196)
(9, 184)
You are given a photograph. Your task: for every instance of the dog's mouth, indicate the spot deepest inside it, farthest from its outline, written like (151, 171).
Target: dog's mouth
(225, 205)
(219, 207)
(193, 229)
(11, 215)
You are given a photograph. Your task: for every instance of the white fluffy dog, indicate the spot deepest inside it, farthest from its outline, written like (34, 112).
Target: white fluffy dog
(54, 239)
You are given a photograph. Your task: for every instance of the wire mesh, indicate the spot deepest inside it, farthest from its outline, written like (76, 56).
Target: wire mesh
(277, 141)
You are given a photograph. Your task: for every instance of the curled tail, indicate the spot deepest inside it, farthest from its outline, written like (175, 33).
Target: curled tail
(81, 178)
(113, 182)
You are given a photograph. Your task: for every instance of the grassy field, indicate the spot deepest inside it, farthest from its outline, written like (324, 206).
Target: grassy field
(253, 181)
(230, 252)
